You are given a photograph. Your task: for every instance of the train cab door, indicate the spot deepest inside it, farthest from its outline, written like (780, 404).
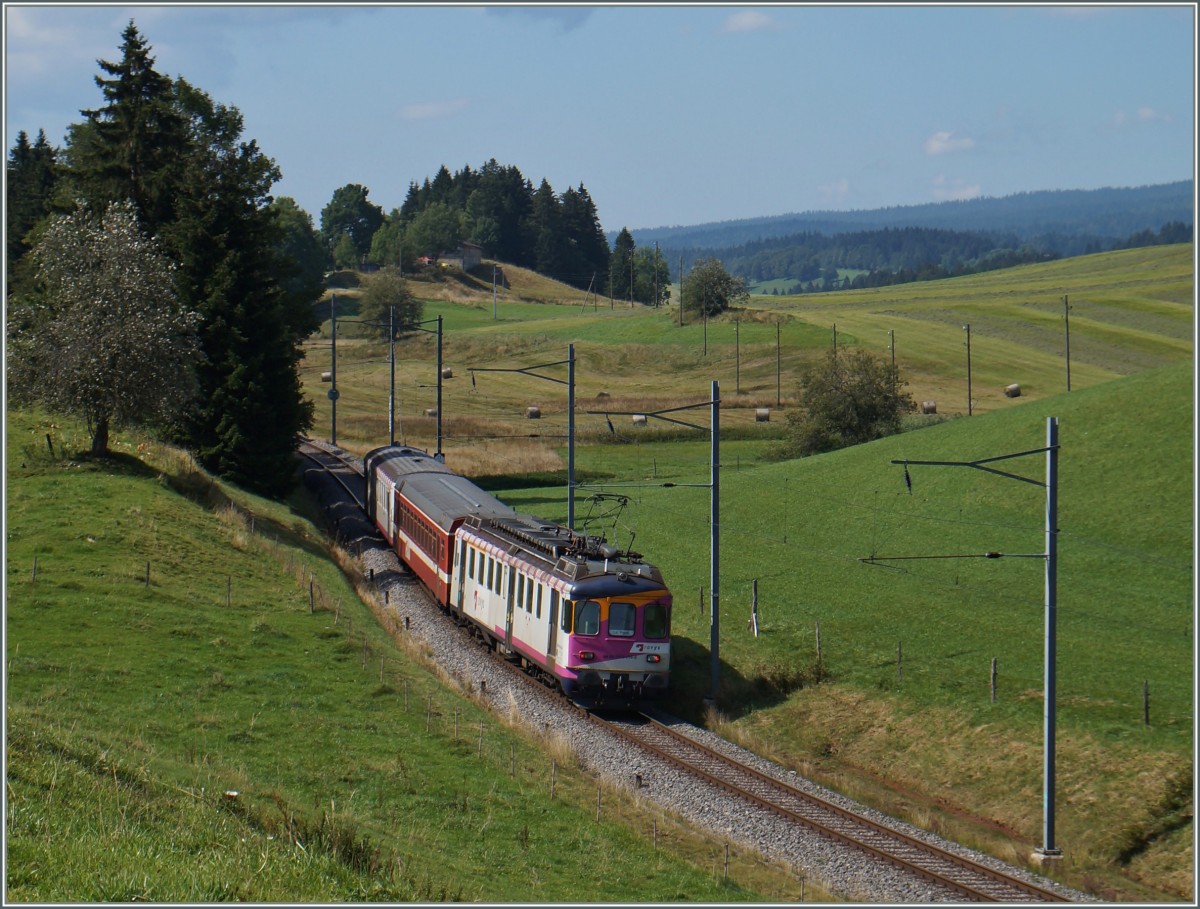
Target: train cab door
(460, 574)
(552, 641)
(509, 581)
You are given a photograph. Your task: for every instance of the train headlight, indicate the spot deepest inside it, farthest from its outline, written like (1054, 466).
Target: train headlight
(653, 658)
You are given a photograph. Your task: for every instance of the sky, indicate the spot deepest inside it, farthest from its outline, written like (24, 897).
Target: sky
(667, 114)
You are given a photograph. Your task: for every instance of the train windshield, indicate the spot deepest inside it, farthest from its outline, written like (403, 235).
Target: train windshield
(587, 617)
(655, 624)
(622, 620)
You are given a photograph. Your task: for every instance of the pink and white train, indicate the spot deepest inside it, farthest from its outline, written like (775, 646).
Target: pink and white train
(570, 609)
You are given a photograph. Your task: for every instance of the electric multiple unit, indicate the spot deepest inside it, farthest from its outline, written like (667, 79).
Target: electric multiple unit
(569, 608)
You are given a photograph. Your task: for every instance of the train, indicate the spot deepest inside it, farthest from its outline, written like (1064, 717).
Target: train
(571, 610)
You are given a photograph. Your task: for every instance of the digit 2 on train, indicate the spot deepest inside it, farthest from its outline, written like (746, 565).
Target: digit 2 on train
(569, 608)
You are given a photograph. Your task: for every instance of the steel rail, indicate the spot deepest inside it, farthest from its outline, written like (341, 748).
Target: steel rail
(855, 828)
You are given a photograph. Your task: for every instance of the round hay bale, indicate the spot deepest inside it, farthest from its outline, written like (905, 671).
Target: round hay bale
(639, 419)
(1012, 391)
(929, 407)
(431, 411)
(762, 415)
(602, 395)
(326, 377)
(447, 372)
(533, 413)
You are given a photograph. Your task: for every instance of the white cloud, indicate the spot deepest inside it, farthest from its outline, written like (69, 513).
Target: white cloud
(1143, 114)
(835, 191)
(955, 189)
(946, 143)
(433, 110)
(749, 20)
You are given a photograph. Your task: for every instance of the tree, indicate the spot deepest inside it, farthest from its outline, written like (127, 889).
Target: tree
(436, 230)
(300, 248)
(109, 340)
(135, 145)
(30, 177)
(851, 397)
(386, 289)
(620, 275)
(203, 192)
(652, 278)
(349, 213)
(709, 289)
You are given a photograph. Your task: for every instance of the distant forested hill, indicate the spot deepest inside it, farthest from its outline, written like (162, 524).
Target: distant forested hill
(907, 243)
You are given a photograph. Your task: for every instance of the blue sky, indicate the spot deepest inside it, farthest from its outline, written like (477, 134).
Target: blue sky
(669, 115)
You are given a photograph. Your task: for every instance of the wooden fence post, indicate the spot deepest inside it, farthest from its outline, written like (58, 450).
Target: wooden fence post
(818, 642)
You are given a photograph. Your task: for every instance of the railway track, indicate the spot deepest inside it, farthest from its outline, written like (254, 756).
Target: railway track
(965, 877)
(959, 875)
(340, 466)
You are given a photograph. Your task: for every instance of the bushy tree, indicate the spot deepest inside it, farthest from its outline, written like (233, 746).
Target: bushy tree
(709, 289)
(350, 214)
(852, 396)
(384, 290)
(106, 337)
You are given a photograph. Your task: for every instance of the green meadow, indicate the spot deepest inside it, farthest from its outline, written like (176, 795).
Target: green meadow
(203, 704)
(147, 703)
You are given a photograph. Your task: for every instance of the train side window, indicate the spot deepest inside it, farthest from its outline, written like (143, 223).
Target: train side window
(566, 612)
(539, 601)
(471, 563)
(499, 588)
(655, 620)
(520, 591)
(529, 596)
(622, 619)
(587, 617)
(491, 571)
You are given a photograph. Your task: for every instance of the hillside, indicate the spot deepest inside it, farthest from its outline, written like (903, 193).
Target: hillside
(1109, 214)
(923, 737)
(200, 708)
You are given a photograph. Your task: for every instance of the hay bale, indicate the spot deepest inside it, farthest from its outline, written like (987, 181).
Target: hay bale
(447, 372)
(1012, 391)
(431, 411)
(929, 407)
(533, 413)
(762, 415)
(639, 419)
(326, 377)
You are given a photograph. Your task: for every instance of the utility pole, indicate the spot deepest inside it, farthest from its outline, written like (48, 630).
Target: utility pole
(681, 291)
(778, 368)
(737, 354)
(1067, 322)
(392, 360)
(967, 329)
(333, 391)
(1050, 558)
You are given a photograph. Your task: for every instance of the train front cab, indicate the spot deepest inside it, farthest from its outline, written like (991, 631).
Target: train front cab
(618, 648)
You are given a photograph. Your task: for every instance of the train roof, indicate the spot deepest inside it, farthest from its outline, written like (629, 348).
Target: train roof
(433, 487)
(590, 562)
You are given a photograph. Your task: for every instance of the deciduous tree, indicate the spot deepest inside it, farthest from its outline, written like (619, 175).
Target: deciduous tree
(108, 339)
(852, 396)
(709, 289)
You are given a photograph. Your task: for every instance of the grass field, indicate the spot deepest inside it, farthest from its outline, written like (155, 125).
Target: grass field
(200, 708)
(919, 735)
(145, 703)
